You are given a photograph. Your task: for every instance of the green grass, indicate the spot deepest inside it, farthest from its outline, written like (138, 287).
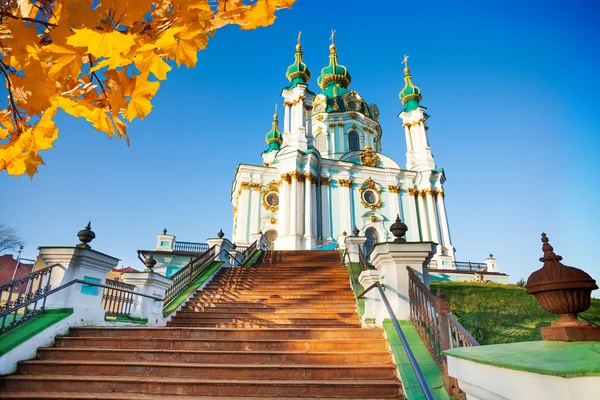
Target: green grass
(495, 313)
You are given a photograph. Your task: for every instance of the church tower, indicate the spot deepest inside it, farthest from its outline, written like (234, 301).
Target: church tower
(418, 152)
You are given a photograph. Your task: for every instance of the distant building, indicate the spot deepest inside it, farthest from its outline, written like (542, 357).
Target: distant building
(116, 273)
(7, 268)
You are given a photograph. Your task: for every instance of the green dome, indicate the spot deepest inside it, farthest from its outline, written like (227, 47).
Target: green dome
(274, 138)
(334, 74)
(411, 94)
(336, 98)
(298, 72)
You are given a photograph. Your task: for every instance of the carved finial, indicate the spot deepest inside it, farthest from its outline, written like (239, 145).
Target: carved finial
(548, 250)
(165, 231)
(405, 61)
(332, 36)
(150, 263)
(355, 232)
(220, 234)
(85, 236)
(491, 255)
(344, 233)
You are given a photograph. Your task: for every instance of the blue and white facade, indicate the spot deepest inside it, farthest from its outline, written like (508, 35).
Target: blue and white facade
(326, 173)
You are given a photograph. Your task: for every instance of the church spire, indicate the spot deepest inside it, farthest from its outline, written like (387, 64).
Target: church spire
(334, 73)
(298, 72)
(274, 138)
(411, 94)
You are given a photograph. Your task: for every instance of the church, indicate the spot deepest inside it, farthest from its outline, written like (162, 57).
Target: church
(324, 172)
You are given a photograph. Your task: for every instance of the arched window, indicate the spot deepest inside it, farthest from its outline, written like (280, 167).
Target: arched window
(321, 143)
(372, 240)
(353, 141)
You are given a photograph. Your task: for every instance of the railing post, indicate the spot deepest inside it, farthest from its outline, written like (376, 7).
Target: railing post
(151, 284)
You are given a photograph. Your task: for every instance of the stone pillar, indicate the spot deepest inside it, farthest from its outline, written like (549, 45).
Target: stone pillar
(423, 217)
(151, 284)
(352, 243)
(492, 265)
(346, 207)
(84, 264)
(287, 119)
(391, 260)
(255, 208)
(374, 307)
(325, 208)
(165, 242)
(412, 218)
(301, 208)
(220, 244)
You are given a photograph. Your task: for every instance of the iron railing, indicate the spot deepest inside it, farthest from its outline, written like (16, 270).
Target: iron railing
(18, 291)
(186, 275)
(23, 308)
(264, 244)
(190, 247)
(249, 250)
(469, 266)
(436, 326)
(118, 298)
(411, 357)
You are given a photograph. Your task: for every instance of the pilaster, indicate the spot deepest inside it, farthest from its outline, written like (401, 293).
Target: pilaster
(325, 208)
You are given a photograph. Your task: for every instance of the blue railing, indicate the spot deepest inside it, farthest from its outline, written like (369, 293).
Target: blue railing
(190, 247)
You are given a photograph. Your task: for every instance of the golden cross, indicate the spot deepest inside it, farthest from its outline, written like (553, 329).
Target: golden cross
(405, 61)
(299, 34)
(332, 35)
(275, 108)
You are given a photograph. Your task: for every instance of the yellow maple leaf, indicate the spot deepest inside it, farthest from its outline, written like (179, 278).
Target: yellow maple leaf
(100, 43)
(139, 102)
(63, 59)
(148, 61)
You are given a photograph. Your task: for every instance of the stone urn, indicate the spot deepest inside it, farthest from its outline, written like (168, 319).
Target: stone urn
(564, 291)
(399, 229)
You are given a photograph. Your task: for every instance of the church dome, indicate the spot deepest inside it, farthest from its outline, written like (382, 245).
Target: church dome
(334, 73)
(274, 138)
(298, 72)
(411, 94)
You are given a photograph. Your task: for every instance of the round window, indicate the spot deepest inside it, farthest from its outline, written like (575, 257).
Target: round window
(370, 197)
(272, 199)
(352, 105)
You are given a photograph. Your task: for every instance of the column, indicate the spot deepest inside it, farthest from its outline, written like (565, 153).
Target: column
(393, 195)
(313, 201)
(242, 212)
(294, 203)
(255, 208)
(287, 120)
(412, 219)
(284, 215)
(308, 210)
(301, 205)
(423, 217)
(325, 208)
(432, 216)
(409, 145)
(346, 210)
(332, 138)
(443, 219)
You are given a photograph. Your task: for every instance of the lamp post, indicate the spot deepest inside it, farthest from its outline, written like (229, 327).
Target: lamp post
(18, 260)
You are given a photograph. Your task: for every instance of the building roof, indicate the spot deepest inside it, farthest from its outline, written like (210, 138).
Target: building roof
(126, 269)
(7, 268)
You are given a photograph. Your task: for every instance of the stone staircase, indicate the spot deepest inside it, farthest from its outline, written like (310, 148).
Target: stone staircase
(285, 329)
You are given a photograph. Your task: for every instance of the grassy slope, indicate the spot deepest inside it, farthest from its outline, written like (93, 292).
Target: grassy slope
(495, 313)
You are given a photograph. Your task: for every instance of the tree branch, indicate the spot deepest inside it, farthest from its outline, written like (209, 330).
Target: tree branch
(16, 113)
(33, 20)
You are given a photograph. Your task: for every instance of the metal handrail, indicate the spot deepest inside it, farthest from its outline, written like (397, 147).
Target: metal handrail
(42, 296)
(29, 275)
(411, 357)
(186, 275)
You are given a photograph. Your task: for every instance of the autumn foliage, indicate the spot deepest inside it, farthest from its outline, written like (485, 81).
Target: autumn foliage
(101, 60)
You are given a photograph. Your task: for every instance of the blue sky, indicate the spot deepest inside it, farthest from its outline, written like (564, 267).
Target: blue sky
(511, 88)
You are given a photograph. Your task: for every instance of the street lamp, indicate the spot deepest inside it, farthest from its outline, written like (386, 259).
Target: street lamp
(18, 260)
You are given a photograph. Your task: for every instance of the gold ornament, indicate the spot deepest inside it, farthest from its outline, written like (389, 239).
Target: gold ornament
(413, 192)
(286, 177)
(394, 188)
(370, 185)
(325, 181)
(373, 218)
(368, 157)
(345, 183)
(273, 220)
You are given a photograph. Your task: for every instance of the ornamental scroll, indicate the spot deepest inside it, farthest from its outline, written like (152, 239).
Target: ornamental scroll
(368, 157)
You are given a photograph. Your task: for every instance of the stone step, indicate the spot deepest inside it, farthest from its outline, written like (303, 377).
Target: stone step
(270, 315)
(264, 321)
(274, 310)
(276, 302)
(145, 396)
(358, 357)
(223, 333)
(251, 295)
(224, 344)
(205, 387)
(246, 325)
(208, 371)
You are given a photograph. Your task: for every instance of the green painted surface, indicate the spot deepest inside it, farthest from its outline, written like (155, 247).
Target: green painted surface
(127, 319)
(176, 302)
(20, 334)
(250, 261)
(565, 359)
(431, 372)
(354, 271)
